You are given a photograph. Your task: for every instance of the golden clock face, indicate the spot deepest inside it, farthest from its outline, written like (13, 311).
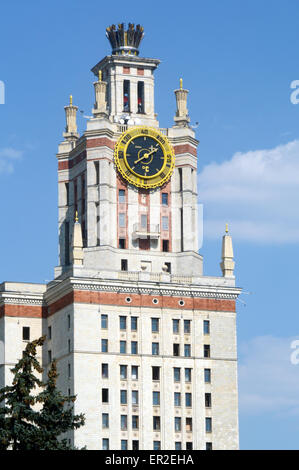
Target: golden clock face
(144, 157)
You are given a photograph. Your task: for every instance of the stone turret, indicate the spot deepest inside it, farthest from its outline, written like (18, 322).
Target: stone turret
(100, 106)
(181, 117)
(71, 132)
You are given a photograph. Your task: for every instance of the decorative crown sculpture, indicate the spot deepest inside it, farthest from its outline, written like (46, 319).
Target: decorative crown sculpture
(125, 41)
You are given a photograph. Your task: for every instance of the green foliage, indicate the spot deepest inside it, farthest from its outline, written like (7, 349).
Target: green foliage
(22, 425)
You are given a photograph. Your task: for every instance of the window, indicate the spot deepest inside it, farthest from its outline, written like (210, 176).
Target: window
(50, 356)
(124, 265)
(164, 199)
(121, 196)
(208, 400)
(155, 349)
(155, 325)
(188, 399)
(176, 349)
(156, 373)
(208, 424)
(105, 420)
(135, 397)
(187, 326)
(156, 398)
(140, 97)
(97, 170)
(126, 96)
(122, 243)
(69, 370)
(206, 327)
(209, 446)
(69, 345)
(123, 372)
(157, 445)
(188, 424)
(104, 343)
(134, 323)
(105, 395)
(189, 446)
(176, 374)
(165, 245)
(135, 445)
(26, 333)
(135, 422)
(123, 323)
(123, 422)
(124, 444)
(188, 375)
(105, 444)
(69, 322)
(206, 350)
(134, 347)
(178, 446)
(177, 399)
(50, 332)
(105, 371)
(143, 220)
(122, 347)
(156, 423)
(122, 219)
(187, 350)
(104, 321)
(67, 193)
(168, 267)
(165, 222)
(134, 372)
(175, 325)
(177, 424)
(123, 397)
(207, 374)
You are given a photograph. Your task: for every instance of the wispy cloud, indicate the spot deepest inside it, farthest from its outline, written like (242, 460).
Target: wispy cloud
(256, 192)
(8, 157)
(268, 381)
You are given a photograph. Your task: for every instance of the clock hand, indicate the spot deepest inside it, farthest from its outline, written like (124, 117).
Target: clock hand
(146, 155)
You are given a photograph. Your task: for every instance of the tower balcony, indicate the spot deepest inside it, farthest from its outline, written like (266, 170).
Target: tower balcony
(150, 231)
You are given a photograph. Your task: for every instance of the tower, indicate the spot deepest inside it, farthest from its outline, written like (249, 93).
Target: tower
(141, 336)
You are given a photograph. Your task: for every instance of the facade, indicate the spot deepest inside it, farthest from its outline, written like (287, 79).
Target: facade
(141, 336)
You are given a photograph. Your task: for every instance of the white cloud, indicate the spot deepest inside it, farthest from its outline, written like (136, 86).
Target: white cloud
(257, 192)
(8, 156)
(268, 381)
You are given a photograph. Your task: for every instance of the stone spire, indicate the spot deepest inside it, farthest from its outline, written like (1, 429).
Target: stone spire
(100, 106)
(71, 121)
(77, 246)
(181, 116)
(227, 264)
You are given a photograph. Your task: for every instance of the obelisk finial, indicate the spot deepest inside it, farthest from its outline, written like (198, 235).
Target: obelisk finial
(181, 83)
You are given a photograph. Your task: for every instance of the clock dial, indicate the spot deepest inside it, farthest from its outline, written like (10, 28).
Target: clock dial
(144, 157)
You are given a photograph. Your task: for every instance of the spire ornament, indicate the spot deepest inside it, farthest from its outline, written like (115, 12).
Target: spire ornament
(125, 41)
(71, 130)
(227, 264)
(181, 116)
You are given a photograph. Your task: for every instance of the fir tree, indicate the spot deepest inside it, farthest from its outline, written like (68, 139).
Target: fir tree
(18, 418)
(56, 416)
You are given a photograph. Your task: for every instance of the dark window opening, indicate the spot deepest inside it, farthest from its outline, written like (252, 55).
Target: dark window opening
(122, 243)
(206, 350)
(26, 333)
(135, 445)
(168, 267)
(105, 395)
(208, 400)
(124, 265)
(156, 373)
(140, 92)
(126, 96)
(165, 245)
(97, 168)
(67, 191)
(176, 349)
(66, 243)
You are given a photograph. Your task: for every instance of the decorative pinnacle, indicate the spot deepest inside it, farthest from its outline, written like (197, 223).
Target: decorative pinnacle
(76, 217)
(226, 228)
(125, 41)
(100, 75)
(181, 83)
(71, 100)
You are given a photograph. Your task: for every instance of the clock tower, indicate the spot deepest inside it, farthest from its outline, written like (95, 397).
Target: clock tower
(145, 340)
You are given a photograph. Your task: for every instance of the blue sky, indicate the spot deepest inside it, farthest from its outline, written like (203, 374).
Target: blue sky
(238, 60)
